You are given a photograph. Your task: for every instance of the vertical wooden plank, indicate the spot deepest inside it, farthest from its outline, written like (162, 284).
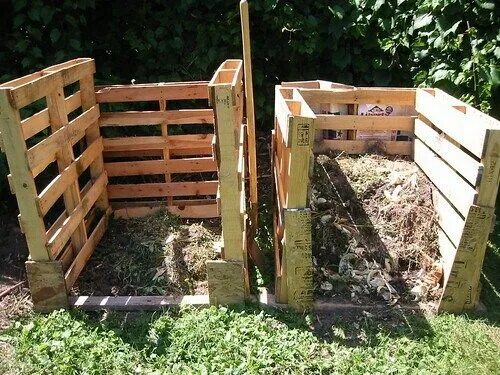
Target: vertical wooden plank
(65, 156)
(22, 180)
(92, 133)
(226, 284)
(302, 139)
(166, 150)
(47, 285)
(461, 291)
(490, 179)
(297, 256)
(227, 146)
(250, 112)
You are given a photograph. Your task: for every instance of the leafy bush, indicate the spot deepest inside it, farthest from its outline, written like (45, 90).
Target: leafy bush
(452, 44)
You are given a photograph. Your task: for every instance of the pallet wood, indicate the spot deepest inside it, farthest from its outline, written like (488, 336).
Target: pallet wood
(152, 92)
(177, 117)
(162, 189)
(148, 167)
(199, 211)
(136, 303)
(46, 281)
(226, 282)
(22, 181)
(365, 123)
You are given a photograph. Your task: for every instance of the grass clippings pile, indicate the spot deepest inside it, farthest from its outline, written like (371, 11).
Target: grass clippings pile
(374, 229)
(156, 255)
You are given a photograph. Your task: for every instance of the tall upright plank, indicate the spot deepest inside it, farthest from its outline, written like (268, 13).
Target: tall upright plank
(92, 133)
(22, 180)
(65, 156)
(250, 111)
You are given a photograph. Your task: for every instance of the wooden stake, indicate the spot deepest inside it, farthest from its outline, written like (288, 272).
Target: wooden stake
(250, 112)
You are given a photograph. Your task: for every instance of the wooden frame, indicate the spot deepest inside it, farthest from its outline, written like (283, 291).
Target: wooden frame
(93, 176)
(455, 145)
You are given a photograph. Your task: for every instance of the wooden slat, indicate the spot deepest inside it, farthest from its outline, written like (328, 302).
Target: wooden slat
(30, 92)
(136, 303)
(86, 252)
(162, 189)
(75, 218)
(205, 211)
(364, 146)
(226, 282)
(152, 92)
(464, 164)
(180, 152)
(449, 183)
(43, 153)
(14, 146)
(365, 123)
(453, 122)
(449, 220)
(150, 167)
(40, 120)
(490, 179)
(188, 141)
(178, 117)
(69, 175)
(403, 96)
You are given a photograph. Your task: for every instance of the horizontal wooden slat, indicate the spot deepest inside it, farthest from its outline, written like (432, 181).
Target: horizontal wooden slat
(150, 167)
(40, 120)
(450, 184)
(187, 212)
(51, 78)
(393, 96)
(365, 123)
(86, 251)
(449, 220)
(363, 146)
(179, 117)
(56, 187)
(157, 142)
(152, 92)
(453, 122)
(44, 152)
(61, 236)
(180, 202)
(135, 303)
(183, 152)
(464, 164)
(172, 189)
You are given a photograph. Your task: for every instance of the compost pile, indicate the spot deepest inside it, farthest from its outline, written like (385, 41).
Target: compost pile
(374, 230)
(156, 255)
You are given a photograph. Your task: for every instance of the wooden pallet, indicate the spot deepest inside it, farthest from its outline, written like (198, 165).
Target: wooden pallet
(57, 127)
(455, 145)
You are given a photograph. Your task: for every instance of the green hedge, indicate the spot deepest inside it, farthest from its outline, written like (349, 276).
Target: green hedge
(453, 44)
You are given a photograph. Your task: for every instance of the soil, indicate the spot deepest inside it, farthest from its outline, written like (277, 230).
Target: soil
(374, 230)
(156, 255)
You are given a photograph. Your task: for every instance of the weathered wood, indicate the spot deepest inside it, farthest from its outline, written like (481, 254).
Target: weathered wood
(459, 160)
(452, 122)
(162, 189)
(136, 303)
(199, 211)
(14, 146)
(64, 157)
(365, 123)
(85, 253)
(361, 95)
(250, 111)
(226, 282)
(177, 117)
(461, 291)
(450, 184)
(152, 92)
(449, 219)
(149, 167)
(173, 142)
(297, 255)
(92, 134)
(490, 179)
(46, 281)
(364, 146)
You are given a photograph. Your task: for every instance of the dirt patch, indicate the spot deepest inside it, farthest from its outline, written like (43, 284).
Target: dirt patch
(157, 255)
(374, 230)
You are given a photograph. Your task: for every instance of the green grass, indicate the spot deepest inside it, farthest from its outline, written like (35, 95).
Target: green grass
(246, 340)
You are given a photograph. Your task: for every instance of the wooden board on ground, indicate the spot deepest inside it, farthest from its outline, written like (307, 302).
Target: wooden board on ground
(135, 303)
(226, 282)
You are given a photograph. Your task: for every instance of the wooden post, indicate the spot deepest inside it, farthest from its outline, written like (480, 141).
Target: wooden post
(166, 150)
(45, 276)
(87, 91)
(250, 112)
